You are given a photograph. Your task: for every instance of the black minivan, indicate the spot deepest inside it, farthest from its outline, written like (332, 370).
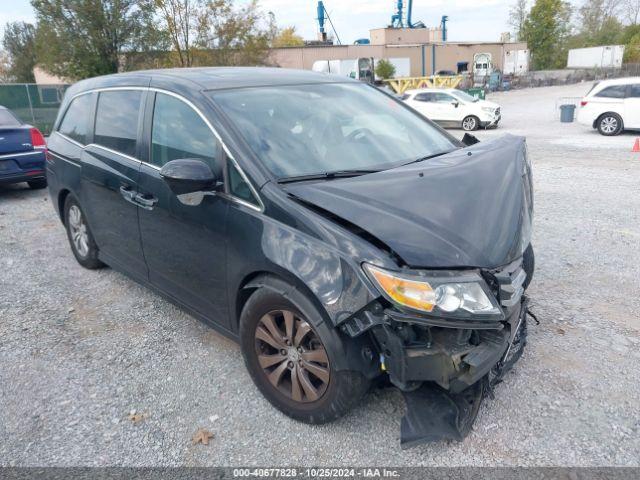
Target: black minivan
(338, 235)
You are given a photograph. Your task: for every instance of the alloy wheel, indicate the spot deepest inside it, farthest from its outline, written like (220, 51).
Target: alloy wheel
(609, 124)
(78, 229)
(292, 356)
(469, 123)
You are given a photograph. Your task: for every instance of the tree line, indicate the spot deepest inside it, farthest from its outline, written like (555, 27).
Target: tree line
(77, 39)
(552, 27)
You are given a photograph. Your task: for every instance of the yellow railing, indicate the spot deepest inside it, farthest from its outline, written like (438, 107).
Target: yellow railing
(401, 85)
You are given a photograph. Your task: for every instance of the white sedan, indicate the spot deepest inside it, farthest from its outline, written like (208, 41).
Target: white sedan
(453, 108)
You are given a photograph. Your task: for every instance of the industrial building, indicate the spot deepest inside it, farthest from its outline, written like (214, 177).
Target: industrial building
(425, 58)
(422, 50)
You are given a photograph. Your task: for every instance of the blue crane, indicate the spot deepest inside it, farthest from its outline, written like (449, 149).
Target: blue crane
(322, 15)
(398, 20)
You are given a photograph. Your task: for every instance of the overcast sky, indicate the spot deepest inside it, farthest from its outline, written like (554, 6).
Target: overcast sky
(481, 20)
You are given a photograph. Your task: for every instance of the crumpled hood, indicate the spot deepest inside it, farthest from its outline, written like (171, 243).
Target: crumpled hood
(469, 208)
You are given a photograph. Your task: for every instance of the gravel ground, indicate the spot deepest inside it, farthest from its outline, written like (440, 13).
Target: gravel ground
(81, 350)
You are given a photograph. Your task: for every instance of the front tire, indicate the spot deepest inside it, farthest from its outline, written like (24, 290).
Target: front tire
(609, 124)
(83, 245)
(470, 123)
(288, 352)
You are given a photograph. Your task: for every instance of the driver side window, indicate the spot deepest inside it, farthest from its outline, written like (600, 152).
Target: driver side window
(424, 97)
(443, 98)
(179, 132)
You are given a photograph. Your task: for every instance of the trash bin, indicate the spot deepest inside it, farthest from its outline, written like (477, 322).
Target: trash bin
(476, 92)
(566, 113)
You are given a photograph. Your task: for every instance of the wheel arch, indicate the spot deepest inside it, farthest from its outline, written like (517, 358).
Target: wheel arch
(609, 112)
(350, 351)
(62, 197)
(262, 278)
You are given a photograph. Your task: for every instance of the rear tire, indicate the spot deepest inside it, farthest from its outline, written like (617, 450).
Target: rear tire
(37, 184)
(333, 393)
(609, 124)
(470, 123)
(83, 245)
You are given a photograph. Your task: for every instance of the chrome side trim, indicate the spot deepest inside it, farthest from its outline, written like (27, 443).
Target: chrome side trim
(60, 157)
(115, 152)
(19, 154)
(259, 207)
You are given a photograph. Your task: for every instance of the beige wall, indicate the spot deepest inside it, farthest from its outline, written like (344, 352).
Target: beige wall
(405, 36)
(447, 54)
(44, 78)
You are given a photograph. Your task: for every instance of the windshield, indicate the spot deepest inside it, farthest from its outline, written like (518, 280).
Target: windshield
(311, 129)
(464, 96)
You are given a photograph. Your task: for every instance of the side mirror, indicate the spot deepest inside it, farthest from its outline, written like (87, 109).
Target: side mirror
(188, 175)
(455, 104)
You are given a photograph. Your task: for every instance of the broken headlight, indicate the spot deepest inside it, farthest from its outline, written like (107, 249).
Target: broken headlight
(446, 293)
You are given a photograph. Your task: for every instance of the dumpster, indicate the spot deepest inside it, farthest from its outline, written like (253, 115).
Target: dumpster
(476, 92)
(566, 113)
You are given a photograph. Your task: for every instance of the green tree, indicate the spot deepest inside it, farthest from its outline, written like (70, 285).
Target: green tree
(215, 32)
(632, 50)
(385, 69)
(518, 14)
(599, 23)
(84, 38)
(19, 43)
(546, 31)
(5, 67)
(631, 11)
(287, 37)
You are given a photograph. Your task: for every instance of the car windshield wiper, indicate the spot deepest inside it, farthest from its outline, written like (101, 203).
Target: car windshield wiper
(326, 175)
(428, 157)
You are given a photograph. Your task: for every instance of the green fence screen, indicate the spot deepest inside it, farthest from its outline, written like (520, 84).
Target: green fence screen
(34, 104)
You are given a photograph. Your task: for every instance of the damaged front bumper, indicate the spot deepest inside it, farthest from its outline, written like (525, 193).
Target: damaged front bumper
(445, 367)
(453, 358)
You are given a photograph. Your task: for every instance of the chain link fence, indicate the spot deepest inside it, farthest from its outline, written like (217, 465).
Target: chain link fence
(548, 78)
(34, 104)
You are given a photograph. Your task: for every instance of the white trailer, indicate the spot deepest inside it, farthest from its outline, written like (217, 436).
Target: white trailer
(609, 56)
(516, 62)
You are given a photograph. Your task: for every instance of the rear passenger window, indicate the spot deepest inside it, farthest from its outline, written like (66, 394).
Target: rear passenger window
(117, 120)
(75, 123)
(617, 91)
(635, 91)
(179, 132)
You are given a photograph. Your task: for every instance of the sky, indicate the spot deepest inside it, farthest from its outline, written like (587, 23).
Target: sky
(481, 20)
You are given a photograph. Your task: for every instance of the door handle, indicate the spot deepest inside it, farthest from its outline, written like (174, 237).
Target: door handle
(128, 193)
(145, 201)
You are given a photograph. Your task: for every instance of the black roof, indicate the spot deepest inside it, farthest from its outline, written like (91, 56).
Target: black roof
(214, 78)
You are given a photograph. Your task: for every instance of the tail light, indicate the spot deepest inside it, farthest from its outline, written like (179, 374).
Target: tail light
(37, 139)
(583, 103)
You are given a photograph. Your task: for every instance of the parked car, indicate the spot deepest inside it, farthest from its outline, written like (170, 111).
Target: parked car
(453, 108)
(323, 224)
(612, 106)
(22, 152)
